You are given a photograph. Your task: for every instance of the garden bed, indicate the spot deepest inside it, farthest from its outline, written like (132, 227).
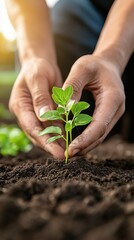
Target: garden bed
(90, 198)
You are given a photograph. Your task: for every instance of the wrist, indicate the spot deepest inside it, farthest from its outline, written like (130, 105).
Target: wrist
(29, 51)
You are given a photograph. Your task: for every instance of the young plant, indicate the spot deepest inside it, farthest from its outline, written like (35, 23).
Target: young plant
(65, 106)
(13, 140)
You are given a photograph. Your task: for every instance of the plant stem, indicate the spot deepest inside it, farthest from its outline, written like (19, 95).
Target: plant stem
(66, 160)
(70, 135)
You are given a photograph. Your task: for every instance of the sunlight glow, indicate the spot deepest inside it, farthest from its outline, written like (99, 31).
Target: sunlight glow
(51, 2)
(5, 25)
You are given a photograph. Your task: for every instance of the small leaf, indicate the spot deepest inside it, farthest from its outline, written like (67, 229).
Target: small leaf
(78, 107)
(82, 119)
(52, 139)
(51, 129)
(69, 105)
(68, 126)
(57, 100)
(60, 110)
(58, 96)
(68, 92)
(51, 115)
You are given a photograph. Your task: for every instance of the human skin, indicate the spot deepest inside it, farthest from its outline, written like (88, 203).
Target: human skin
(100, 73)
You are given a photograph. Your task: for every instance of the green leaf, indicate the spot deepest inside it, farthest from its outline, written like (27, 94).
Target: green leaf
(68, 126)
(78, 107)
(51, 115)
(82, 119)
(57, 100)
(58, 96)
(52, 139)
(51, 129)
(60, 110)
(68, 92)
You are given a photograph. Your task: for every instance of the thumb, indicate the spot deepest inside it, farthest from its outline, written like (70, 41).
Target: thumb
(76, 82)
(42, 101)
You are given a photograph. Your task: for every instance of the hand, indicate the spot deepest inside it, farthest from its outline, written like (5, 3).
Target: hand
(100, 77)
(30, 95)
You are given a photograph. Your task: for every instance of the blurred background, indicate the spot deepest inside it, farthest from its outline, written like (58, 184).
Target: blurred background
(9, 62)
(9, 68)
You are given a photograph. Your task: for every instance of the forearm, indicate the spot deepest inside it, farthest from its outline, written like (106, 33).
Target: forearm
(32, 24)
(116, 42)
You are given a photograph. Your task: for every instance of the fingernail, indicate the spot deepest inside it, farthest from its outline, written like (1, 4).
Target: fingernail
(43, 110)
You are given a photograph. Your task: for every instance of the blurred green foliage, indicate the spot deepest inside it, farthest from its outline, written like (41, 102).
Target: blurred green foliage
(13, 140)
(4, 112)
(8, 77)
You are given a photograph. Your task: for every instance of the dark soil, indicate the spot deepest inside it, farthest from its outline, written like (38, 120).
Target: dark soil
(90, 198)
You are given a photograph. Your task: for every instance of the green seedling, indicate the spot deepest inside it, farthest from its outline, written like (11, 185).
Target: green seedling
(13, 140)
(65, 106)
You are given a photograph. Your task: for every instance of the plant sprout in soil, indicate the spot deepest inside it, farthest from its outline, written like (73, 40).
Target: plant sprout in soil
(67, 111)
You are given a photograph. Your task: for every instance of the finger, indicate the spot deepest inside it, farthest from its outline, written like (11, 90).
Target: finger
(32, 128)
(22, 108)
(104, 119)
(39, 88)
(101, 139)
(77, 80)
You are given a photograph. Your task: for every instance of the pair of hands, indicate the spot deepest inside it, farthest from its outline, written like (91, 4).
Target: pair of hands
(31, 95)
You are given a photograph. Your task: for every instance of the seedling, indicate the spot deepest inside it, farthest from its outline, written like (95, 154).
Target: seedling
(65, 106)
(13, 140)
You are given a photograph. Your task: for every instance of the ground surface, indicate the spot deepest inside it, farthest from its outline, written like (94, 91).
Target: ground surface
(90, 198)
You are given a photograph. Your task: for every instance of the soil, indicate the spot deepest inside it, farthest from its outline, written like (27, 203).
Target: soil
(90, 198)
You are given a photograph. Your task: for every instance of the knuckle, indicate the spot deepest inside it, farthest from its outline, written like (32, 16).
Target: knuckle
(36, 75)
(88, 64)
(77, 87)
(39, 98)
(41, 70)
